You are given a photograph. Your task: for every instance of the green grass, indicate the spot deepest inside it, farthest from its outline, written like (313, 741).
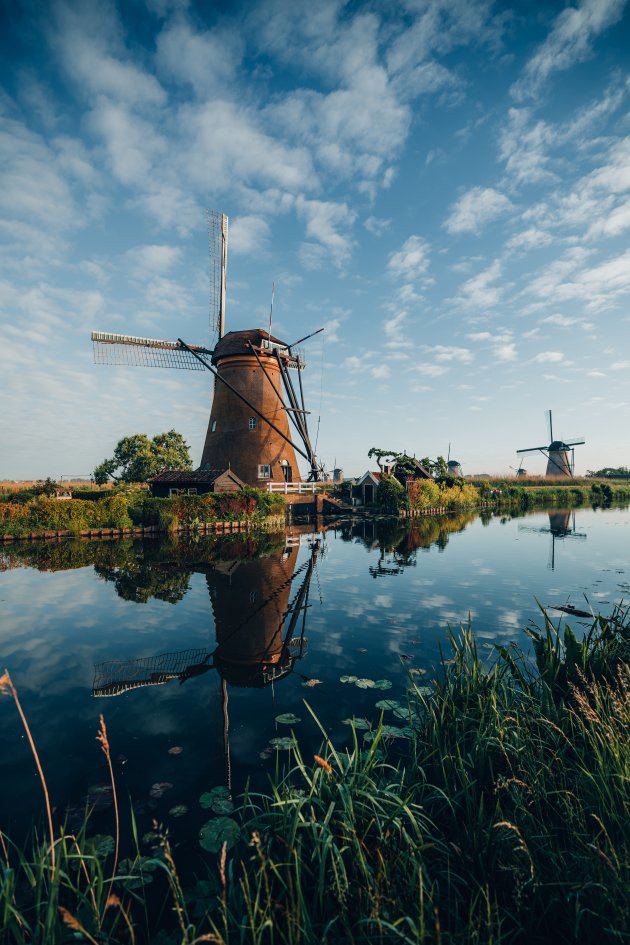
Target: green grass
(505, 819)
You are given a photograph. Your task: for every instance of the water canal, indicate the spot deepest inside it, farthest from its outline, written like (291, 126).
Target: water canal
(192, 649)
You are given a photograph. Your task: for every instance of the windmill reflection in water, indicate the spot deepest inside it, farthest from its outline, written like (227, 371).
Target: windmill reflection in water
(260, 606)
(561, 526)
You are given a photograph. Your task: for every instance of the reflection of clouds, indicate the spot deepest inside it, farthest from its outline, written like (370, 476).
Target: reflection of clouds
(383, 600)
(510, 618)
(423, 582)
(435, 601)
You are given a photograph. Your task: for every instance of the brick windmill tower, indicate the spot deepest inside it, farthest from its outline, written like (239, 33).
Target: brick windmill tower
(256, 405)
(560, 453)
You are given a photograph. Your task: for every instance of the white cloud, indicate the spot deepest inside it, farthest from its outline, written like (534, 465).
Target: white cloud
(208, 61)
(153, 259)
(506, 352)
(329, 223)
(479, 291)
(411, 260)
(474, 209)
(449, 353)
(392, 326)
(549, 356)
(381, 372)
(88, 40)
(248, 234)
(570, 41)
(376, 226)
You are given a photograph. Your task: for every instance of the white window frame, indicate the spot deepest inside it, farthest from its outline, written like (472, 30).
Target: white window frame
(214, 426)
(252, 423)
(264, 471)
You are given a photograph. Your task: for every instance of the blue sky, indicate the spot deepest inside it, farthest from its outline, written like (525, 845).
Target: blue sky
(445, 186)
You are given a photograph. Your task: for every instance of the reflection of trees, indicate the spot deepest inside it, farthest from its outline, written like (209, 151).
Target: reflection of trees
(140, 582)
(398, 540)
(141, 570)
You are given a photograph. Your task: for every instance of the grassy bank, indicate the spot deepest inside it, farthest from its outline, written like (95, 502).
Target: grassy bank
(135, 508)
(504, 818)
(541, 493)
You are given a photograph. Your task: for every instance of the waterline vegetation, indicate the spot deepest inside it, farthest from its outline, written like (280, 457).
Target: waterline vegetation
(500, 814)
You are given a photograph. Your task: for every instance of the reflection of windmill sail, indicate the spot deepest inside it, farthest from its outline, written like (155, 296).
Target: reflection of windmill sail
(252, 604)
(117, 676)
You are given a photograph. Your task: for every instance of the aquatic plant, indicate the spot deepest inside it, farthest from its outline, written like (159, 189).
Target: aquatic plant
(503, 817)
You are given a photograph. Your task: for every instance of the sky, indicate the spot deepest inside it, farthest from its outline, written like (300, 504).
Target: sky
(444, 185)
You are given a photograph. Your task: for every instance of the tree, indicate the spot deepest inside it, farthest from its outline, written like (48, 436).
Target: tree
(137, 458)
(391, 496)
(380, 455)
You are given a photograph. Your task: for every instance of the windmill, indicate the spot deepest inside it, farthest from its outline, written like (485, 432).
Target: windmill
(520, 472)
(255, 398)
(557, 453)
(453, 465)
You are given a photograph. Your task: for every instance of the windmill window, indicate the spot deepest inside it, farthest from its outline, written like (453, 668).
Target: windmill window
(252, 423)
(264, 471)
(214, 425)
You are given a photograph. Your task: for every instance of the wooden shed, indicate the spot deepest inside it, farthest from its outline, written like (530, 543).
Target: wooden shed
(194, 482)
(364, 489)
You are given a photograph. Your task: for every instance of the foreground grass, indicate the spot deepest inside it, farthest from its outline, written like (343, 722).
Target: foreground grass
(506, 821)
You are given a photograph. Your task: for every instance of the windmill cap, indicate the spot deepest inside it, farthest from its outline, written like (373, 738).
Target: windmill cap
(235, 342)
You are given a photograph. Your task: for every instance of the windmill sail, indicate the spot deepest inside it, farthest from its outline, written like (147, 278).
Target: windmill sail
(110, 348)
(218, 240)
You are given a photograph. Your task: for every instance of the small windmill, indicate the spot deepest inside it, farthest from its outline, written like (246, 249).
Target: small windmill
(453, 465)
(560, 453)
(255, 397)
(520, 472)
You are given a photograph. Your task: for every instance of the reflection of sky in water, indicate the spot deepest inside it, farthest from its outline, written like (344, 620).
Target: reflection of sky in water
(374, 612)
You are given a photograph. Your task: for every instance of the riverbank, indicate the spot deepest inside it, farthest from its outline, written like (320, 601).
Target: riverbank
(503, 818)
(101, 513)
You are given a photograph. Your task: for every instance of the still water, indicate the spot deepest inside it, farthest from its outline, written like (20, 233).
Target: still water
(192, 649)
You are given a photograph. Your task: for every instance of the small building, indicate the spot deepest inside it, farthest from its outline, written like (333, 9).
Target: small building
(364, 489)
(408, 467)
(194, 482)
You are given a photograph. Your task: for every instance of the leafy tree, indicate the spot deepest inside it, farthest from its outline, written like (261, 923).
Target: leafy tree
(137, 458)
(380, 455)
(391, 497)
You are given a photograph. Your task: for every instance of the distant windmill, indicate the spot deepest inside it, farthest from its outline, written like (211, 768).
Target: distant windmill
(453, 465)
(255, 398)
(559, 463)
(520, 472)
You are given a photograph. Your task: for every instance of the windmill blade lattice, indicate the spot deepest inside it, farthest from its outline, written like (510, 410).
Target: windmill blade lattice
(116, 349)
(218, 240)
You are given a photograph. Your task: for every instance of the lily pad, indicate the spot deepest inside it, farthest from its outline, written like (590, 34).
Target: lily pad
(382, 684)
(365, 684)
(286, 742)
(218, 831)
(175, 750)
(178, 811)
(101, 845)
(357, 723)
(158, 789)
(349, 679)
(312, 682)
(387, 704)
(137, 873)
(217, 800)
(288, 718)
(389, 731)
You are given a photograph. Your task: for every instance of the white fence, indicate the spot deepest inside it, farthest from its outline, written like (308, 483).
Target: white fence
(294, 488)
